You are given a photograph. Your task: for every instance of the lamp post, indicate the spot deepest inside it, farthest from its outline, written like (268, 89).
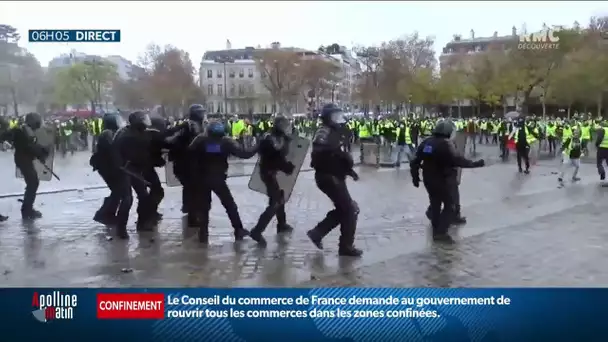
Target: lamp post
(224, 60)
(277, 88)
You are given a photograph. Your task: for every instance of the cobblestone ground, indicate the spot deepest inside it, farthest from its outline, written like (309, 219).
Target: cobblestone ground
(65, 248)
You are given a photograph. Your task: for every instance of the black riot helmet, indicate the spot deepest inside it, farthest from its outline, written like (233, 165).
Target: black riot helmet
(139, 120)
(444, 128)
(113, 122)
(196, 112)
(281, 125)
(33, 120)
(332, 115)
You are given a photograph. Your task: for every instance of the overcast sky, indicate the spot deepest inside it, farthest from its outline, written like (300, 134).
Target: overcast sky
(200, 26)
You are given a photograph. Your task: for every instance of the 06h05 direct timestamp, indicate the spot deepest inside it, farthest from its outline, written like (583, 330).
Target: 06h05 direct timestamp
(49, 36)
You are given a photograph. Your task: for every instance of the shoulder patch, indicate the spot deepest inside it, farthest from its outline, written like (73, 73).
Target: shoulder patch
(427, 149)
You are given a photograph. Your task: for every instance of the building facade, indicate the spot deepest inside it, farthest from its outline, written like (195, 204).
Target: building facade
(233, 83)
(459, 50)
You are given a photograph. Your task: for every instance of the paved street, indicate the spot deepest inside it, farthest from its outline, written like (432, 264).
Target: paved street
(522, 231)
(76, 174)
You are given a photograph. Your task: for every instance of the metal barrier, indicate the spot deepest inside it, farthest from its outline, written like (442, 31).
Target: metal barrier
(377, 155)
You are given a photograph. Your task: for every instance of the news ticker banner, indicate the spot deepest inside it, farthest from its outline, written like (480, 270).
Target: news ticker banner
(73, 36)
(290, 315)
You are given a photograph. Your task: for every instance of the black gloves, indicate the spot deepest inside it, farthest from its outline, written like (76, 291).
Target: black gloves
(479, 163)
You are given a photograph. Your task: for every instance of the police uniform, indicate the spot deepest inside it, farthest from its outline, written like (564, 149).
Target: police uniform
(210, 154)
(104, 160)
(273, 151)
(332, 166)
(438, 159)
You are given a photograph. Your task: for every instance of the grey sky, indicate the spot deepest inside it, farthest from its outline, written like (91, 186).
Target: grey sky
(200, 26)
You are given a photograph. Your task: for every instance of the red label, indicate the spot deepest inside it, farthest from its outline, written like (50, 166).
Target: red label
(130, 306)
(35, 301)
(49, 313)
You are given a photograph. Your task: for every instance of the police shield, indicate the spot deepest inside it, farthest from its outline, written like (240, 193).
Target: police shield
(45, 137)
(298, 150)
(460, 142)
(534, 152)
(170, 177)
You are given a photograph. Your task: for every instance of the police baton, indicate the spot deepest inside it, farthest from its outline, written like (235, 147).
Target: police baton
(48, 169)
(134, 175)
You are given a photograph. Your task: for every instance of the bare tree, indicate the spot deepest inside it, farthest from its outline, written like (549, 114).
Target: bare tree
(281, 75)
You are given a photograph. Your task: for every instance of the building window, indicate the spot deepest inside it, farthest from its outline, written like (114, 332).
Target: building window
(220, 90)
(250, 72)
(210, 107)
(219, 73)
(231, 73)
(210, 89)
(232, 108)
(241, 89)
(232, 90)
(241, 73)
(251, 89)
(220, 107)
(209, 73)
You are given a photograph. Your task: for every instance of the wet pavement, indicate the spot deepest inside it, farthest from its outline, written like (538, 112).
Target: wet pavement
(76, 174)
(522, 231)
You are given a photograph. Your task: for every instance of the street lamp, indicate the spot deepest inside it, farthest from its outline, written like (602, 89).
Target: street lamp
(277, 88)
(224, 60)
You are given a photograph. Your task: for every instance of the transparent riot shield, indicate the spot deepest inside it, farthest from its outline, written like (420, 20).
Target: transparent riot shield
(460, 142)
(45, 137)
(170, 177)
(534, 154)
(298, 150)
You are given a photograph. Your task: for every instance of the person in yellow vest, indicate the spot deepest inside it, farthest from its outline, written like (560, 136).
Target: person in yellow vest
(524, 137)
(551, 130)
(96, 125)
(572, 151)
(601, 142)
(403, 143)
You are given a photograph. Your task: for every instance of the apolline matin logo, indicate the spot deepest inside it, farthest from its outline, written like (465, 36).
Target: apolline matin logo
(53, 306)
(79, 36)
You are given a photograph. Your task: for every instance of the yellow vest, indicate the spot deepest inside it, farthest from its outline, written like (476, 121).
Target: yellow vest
(604, 143)
(363, 131)
(408, 139)
(529, 137)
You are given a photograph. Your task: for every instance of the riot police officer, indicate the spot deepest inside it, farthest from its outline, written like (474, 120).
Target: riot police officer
(438, 159)
(27, 150)
(182, 136)
(331, 166)
(105, 161)
(210, 154)
(273, 150)
(133, 145)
